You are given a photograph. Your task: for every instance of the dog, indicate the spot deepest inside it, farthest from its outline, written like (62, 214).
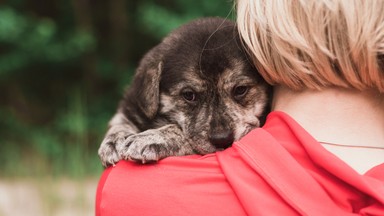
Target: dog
(194, 93)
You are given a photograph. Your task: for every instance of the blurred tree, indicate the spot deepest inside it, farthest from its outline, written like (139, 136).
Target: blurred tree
(63, 67)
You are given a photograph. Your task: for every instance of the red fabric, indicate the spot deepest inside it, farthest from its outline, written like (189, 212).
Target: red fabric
(276, 170)
(100, 188)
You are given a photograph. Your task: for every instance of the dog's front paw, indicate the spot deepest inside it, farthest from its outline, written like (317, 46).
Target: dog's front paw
(107, 152)
(146, 147)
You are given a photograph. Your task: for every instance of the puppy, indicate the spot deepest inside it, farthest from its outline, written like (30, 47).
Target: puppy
(194, 93)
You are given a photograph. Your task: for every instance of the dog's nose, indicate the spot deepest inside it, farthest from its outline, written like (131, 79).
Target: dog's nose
(222, 139)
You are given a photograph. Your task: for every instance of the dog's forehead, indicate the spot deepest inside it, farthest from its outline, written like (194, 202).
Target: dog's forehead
(178, 76)
(240, 69)
(240, 73)
(204, 58)
(199, 79)
(190, 77)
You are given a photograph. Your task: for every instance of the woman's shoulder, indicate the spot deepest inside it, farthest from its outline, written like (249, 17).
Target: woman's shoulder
(170, 187)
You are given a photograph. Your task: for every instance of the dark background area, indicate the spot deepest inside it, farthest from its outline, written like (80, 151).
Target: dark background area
(63, 68)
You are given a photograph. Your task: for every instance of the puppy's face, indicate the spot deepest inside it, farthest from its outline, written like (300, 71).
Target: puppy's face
(211, 90)
(213, 112)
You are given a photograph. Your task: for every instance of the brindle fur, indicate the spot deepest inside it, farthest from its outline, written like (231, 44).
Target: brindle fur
(194, 93)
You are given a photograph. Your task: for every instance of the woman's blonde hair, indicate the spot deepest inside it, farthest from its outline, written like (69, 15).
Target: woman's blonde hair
(315, 43)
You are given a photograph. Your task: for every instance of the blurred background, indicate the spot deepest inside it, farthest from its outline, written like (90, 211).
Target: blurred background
(63, 67)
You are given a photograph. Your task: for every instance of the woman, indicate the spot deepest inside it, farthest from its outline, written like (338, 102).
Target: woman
(321, 151)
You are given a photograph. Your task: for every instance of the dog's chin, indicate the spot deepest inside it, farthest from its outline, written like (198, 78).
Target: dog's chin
(207, 148)
(204, 148)
(244, 130)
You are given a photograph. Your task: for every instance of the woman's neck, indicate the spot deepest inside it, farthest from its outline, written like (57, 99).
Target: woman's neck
(338, 116)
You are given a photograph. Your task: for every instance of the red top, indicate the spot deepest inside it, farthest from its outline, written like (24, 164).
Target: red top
(275, 170)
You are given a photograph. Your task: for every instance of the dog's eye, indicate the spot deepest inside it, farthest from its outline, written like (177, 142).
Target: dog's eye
(189, 96)
(240, 91)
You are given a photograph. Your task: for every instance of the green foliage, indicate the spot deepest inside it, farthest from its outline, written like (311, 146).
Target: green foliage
(28, 41)
(63, 68)
(159, 20)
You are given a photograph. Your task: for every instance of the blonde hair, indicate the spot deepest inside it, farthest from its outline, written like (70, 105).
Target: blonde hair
(315, 43)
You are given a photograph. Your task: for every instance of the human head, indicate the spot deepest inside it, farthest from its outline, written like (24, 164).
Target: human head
(315, 43)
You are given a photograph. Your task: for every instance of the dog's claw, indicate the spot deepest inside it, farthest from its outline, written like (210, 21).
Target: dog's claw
(147, 147)
(141, 158)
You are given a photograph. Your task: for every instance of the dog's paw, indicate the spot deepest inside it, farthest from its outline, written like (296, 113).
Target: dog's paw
(146, 147)
(107, 152)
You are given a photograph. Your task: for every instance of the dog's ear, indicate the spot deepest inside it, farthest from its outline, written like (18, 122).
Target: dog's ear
(147, 84)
